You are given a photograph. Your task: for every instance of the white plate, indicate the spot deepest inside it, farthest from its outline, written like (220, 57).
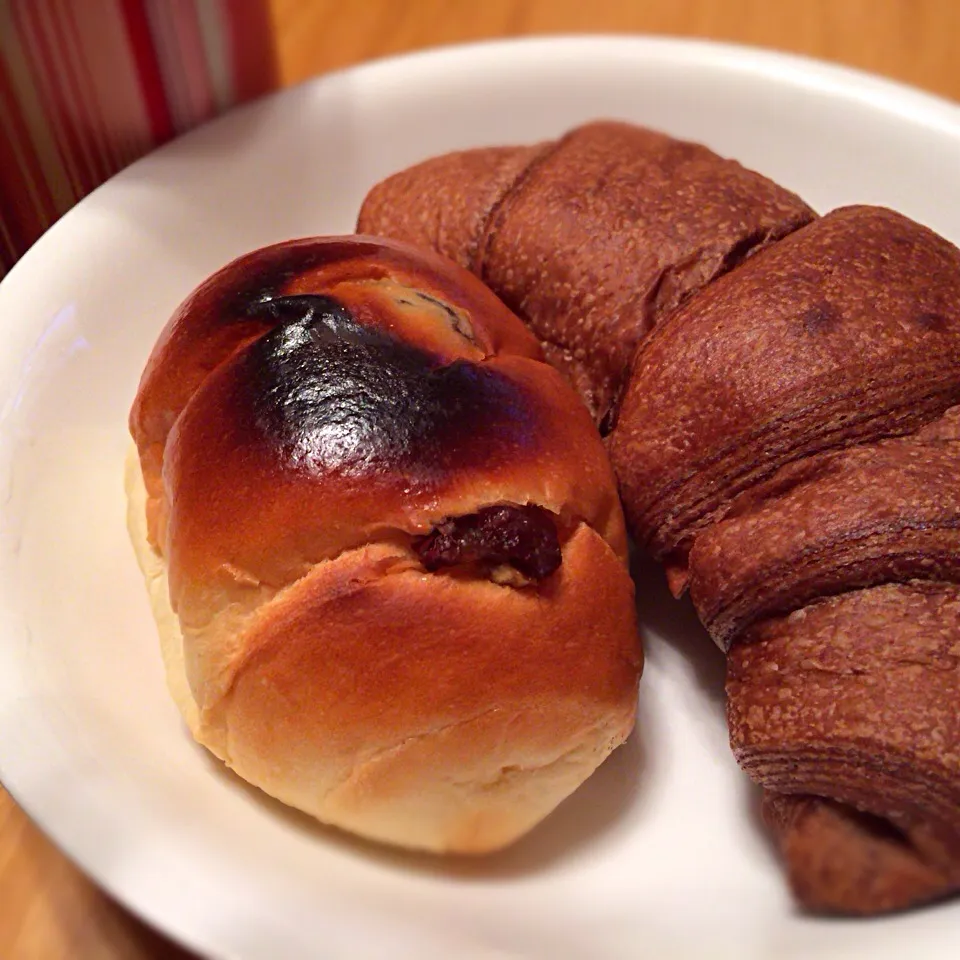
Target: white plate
(660, 854)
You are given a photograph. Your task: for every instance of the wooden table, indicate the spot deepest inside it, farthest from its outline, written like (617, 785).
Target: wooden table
(48, 909)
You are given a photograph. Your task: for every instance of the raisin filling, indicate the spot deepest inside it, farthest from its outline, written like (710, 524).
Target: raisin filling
(523, 537)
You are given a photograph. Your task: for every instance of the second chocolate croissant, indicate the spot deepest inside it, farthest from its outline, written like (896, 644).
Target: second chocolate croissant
(789, 444)
(779, 395)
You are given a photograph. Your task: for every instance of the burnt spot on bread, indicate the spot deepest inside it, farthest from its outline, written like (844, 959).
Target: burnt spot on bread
(936, 322)
(304, 308)
(267, 273)
(525, 537)
(337, 396)
(820, 317)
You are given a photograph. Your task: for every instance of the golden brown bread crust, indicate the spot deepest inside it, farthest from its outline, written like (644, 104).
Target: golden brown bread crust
(466, 765)
(309, 416)
(222, 316)
(603, 232)
(435, 712)
(787, 441)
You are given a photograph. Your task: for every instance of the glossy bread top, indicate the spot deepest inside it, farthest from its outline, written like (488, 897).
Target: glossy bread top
(323, 394)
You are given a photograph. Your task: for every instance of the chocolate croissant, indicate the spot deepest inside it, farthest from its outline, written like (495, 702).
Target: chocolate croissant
(779, 396)
(383, 545)
(591, 239)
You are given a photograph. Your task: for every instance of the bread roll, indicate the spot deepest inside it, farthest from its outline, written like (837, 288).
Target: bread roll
(383, 545)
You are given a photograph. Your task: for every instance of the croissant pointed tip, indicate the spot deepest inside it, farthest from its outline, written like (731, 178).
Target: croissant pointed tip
(846, 862)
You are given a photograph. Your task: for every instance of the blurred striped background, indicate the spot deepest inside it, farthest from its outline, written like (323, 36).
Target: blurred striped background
(87, 86)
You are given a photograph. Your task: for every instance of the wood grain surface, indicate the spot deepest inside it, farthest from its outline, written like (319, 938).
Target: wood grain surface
(48, 909)
(910, 40)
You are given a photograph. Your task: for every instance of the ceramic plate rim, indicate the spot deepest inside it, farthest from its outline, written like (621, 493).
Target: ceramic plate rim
(796, 71)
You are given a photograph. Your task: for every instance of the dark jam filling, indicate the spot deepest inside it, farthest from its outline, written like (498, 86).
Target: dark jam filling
(523, 537)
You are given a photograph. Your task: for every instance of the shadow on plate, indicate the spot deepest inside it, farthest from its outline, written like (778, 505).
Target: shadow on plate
(675, 622)
(584, 819)
(593, 813)
(672, 623)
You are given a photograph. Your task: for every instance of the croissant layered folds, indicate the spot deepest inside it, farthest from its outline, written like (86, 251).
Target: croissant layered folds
(780, 396)
(802, 481)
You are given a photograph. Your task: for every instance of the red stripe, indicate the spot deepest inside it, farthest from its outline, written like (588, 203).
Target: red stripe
(10, 107)
(81, 120)
(193, 58)
(47, 113)
(253, 59)
(148, 66)
(96, 124)
(24, 221)
(8, 257)
(17, 212)
(44, 69)
(54, 65)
